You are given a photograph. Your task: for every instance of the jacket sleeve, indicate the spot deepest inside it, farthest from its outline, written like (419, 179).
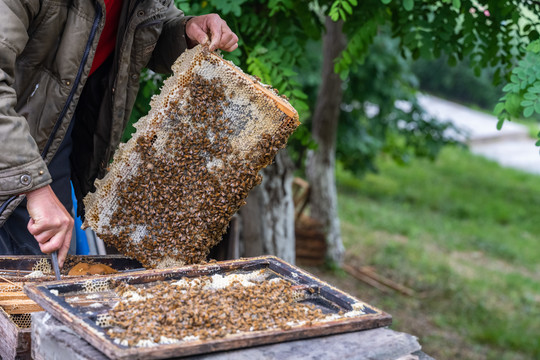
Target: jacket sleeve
(21, 167)
(172, 41)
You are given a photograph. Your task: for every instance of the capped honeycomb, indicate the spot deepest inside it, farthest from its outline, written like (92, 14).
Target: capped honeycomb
(173, 187)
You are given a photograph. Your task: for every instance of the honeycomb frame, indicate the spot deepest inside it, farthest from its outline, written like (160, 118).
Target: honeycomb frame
(172, 189)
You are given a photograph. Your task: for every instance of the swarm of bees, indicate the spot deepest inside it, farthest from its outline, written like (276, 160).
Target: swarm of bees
(174, 186)
(196, 309)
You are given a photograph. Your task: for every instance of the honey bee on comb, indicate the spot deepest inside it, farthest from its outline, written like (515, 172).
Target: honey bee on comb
(173, 187)
(206, 308)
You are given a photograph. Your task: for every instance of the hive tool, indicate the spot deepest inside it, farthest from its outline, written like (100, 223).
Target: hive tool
(54, 257)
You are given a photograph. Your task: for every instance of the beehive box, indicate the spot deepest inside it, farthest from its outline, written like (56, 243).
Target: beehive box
(15, 325)
(172, 189)
(85, 307)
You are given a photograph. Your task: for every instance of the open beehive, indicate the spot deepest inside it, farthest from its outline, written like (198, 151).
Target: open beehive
(203, 308)
(16, 308)
(173, 187)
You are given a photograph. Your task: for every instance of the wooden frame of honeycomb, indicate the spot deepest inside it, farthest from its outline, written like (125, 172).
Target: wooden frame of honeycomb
(173, 187)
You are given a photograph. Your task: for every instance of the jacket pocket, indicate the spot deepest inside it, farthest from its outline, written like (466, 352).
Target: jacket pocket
(145, 41)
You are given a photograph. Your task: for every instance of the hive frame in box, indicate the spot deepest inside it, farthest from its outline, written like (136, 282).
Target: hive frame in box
(50, 297)
(15, 340)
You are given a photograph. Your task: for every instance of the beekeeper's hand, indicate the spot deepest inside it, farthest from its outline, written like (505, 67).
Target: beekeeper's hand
(204, 28)
(50, 223)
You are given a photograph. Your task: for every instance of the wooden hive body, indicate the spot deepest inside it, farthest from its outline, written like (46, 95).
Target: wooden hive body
(173, 187)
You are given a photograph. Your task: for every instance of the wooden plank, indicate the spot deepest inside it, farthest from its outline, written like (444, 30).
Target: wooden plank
(13, 295)
(20, 306)
(86, 327)
(8, 334)
(9, 283)
(386, 281)
(376, 280)
(55, 340)
(366, 279)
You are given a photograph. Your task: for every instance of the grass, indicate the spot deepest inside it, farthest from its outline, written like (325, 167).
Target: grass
(463, 233)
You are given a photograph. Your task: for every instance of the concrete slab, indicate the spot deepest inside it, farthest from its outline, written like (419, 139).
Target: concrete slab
(511, 146)
(517, 154)
(477, 125)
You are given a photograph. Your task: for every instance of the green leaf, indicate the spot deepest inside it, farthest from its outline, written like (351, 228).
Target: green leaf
(537, 107)
(526, 103)
(521, 74)
(386, 2)
(538, 142)
(508, 87)
(408, 4)
(534, 46)
(512, 104)
(347, 7)
(498, 108)
(500, 123)
(353, 2)
(289, 72)
(456, 4)
(346, 57)
(299, 94)
(528, 111)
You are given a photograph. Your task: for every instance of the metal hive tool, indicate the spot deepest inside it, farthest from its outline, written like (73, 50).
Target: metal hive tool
(173, 187)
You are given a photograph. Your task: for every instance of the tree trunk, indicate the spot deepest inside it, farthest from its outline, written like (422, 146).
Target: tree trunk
(321, 162)
(267, 220)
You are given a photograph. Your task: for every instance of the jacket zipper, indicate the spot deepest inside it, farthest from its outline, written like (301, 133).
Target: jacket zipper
(6, 203)
(97, 18)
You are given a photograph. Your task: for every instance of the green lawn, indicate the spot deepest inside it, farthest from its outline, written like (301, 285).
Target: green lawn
(464, 234)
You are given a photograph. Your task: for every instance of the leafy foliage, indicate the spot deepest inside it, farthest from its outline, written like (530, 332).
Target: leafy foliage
(340, 9)
(275, 37)
(494, 34)
(523, 91)
(381, 114)
(360, 37)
